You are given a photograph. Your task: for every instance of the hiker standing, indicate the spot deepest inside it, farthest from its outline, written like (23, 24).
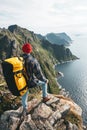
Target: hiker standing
(36, 77)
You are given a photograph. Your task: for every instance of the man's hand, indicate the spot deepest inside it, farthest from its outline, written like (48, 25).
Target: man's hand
(47, 81)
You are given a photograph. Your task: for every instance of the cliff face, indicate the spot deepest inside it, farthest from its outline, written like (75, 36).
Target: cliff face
(60, 52)
(59, 113)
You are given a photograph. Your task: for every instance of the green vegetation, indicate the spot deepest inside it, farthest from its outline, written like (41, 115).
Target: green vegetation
(58, 51)
(47, 54)
(74, 119)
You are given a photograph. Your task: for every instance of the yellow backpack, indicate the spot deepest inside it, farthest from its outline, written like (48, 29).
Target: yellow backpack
(15, 75)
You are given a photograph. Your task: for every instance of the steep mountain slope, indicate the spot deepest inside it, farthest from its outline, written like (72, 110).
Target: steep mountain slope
(12, 39)
(60, 52)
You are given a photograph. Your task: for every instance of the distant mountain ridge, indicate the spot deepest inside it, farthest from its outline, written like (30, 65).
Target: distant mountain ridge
(57, 38)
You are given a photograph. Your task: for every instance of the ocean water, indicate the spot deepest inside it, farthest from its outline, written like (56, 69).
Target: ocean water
(75, 74)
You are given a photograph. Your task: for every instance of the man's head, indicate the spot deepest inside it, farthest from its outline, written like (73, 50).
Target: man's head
(27, 48)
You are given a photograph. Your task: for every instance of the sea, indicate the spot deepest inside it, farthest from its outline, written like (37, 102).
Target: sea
(75, 74)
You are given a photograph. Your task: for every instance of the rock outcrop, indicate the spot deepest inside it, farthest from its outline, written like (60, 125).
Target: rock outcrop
(59, 113)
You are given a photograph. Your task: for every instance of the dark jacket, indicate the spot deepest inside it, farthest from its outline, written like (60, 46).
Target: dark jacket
(33, 70)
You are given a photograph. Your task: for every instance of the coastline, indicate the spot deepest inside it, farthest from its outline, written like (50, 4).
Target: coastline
(62, 90)
(63, 62)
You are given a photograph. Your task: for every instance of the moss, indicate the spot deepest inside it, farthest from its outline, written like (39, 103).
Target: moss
(74, 119)
(7, 101)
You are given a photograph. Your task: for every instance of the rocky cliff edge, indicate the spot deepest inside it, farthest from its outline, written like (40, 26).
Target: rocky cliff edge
(59, 113)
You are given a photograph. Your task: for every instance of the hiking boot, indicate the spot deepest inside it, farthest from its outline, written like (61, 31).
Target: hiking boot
(28, 109)
(45, 99)
(23, 114)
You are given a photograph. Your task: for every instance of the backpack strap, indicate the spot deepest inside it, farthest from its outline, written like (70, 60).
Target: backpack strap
(28, 70)
(24, 70)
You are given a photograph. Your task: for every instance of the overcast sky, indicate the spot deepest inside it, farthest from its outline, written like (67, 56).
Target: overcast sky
(44, 16)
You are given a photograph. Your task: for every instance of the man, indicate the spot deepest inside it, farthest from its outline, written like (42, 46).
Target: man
(36, 77)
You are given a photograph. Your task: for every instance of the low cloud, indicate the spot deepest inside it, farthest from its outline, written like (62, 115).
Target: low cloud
(45, 15)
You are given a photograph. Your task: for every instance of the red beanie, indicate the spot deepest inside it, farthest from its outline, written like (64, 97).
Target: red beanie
(27, 48)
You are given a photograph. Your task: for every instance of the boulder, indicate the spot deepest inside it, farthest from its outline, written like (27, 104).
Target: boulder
(42, 116)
